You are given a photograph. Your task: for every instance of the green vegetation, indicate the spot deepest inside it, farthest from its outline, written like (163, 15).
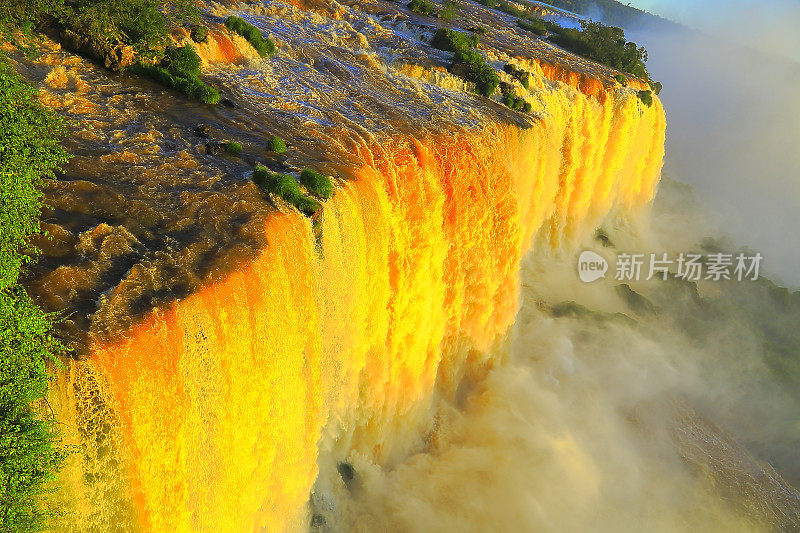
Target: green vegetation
(539, 26)
(606, 45)
(511, 100)
(179, 70)
(655, 86)
(190, 87)
(449, 10)
(199, 34)
(479, 30)
(317, 183)
(646, 97)
(471, 66)
(523, 76)
(285, 187)
(182, 61)
(99, 27)
(594, 41)
(29, 452)
(232, 147)
(24, 16)
(276, 144)
(467, 62)
(421, 7)
(29, 149)
(143, 24)
(264, 46)
(453, 41)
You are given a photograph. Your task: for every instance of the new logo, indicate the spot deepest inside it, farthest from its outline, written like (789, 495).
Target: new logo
(591, 266)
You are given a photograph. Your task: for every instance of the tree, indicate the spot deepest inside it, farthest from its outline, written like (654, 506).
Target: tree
(29, 452)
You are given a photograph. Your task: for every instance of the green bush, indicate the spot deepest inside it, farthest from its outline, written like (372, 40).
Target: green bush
(276, 144)
(527, 107)
(510, 99)
(539, 26)
(622, 80)
(182, 61)
(480, 30)
(285, 187)
(190, 86)
(523, 76)
(453, 41)
(449, 10)
(646, 97)
(29, 149)
(143, 24)
(232, 147)
(505, 7)
(467, 62)
(264, 46)
(319, 184)
(472, 66)
(421, 7)
(29, 452)
(199, 34)
(655, 86)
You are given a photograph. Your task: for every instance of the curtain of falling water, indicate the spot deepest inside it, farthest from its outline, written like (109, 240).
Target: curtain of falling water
(212, 414)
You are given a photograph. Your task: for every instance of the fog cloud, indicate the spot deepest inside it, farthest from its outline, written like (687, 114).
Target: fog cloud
(733, 130)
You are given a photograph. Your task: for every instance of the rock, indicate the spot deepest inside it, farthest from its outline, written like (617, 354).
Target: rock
(228, 102)
(204, 130)
(119, 57)
(215, 148)
(114, 56)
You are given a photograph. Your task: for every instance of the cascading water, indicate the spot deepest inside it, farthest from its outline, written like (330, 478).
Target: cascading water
(218, 405)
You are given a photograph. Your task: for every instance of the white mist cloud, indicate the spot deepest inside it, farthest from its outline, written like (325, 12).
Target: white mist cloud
(733, 134)
(767, 25)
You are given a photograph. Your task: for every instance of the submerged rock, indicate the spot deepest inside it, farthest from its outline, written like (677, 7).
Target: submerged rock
(204, 130)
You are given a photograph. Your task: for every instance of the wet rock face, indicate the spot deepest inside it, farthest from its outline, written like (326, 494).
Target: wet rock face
(114, 56)
(119, 57)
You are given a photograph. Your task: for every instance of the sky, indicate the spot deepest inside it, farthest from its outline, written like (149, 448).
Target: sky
(768, 25)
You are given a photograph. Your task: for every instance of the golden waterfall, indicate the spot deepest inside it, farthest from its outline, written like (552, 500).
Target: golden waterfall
(212, 413)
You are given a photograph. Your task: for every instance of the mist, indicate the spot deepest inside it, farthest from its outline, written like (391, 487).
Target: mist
(732, 123)
(766, 25)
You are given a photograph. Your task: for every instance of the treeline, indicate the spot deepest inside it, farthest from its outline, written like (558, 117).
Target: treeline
(604, 44)
(594, 40)
(142, 24)
(30, 450)
(613, 13)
